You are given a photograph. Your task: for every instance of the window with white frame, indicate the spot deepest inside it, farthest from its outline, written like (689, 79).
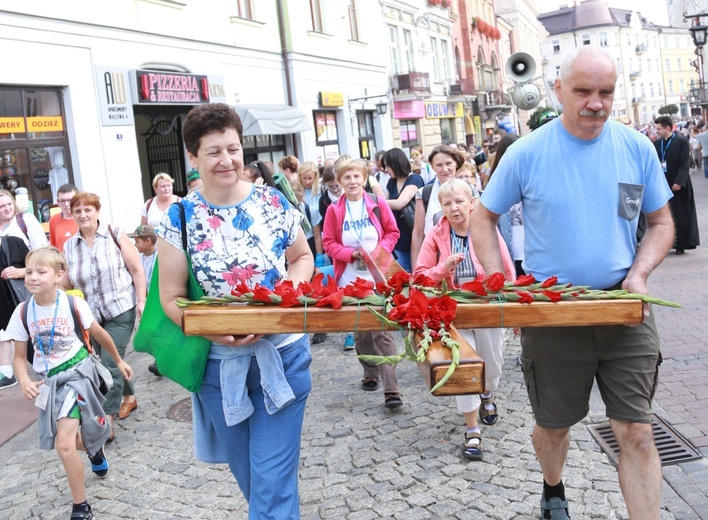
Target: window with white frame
(586, 39)
(651, 90)
(603, 39)
(316, 12)
(407, 51)
(660, 94)
(556, 46)
(621, 91)
(434, 56)
(444, 59)
(353, 23)
(682, 85)
(676, 41)
(648, 65)
(623, 112)
(668, 64)
(393, 49)
(671, 86)
(244, 9)
(679, 64)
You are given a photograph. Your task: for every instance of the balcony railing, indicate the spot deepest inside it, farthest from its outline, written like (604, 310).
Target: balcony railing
(497, 98)
(416, 82)
(641, 49)
(465, 87)
(637, 100)
(634, 75)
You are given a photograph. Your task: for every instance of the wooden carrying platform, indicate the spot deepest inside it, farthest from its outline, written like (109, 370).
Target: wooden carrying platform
(468, 377)
(240, 319)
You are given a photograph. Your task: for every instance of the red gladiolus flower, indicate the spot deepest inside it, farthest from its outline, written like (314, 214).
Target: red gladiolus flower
(495, 282)
(240, 289)
(398, 281)
(525, 297)
(288, 293)
(359, 288)
(334, 300)
(474, 286)
(441, 312)
(412, 312)
(549, 282)
(399, 299)
(421, 279)
(261, 294)
(383, 289)
(526, 279)
(553, 295)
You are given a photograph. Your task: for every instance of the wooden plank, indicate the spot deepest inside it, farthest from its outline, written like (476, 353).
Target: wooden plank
(468, 377)
(253, 319)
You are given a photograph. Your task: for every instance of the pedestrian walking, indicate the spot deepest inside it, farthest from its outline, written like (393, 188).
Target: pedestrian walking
(580, 222)
(67, 394)
(675, 155)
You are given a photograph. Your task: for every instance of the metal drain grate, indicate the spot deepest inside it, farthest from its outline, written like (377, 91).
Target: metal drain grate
(181, 411)
(672, 447)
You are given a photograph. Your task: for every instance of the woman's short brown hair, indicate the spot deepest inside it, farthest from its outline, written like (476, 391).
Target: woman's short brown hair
(206, 119)
(87, 199)
(443, 148)
(289, 162)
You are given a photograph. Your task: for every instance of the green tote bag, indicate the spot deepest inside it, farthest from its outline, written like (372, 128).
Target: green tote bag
(179, 358)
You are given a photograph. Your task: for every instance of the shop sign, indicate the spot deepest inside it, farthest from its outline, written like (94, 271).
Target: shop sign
(217, 91)
(114, 96)
(478, 126)
(331, 99)
(408, 109)
(442, 110)
(12, 125)
(169, 88)
(45, 124)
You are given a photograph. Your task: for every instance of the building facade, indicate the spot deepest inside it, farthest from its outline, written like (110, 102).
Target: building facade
(631, 39)
(105, 108)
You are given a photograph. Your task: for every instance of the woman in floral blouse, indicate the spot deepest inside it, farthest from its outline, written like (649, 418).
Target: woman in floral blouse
(241, 233)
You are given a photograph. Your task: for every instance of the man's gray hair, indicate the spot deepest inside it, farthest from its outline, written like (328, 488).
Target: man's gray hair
(570, 56)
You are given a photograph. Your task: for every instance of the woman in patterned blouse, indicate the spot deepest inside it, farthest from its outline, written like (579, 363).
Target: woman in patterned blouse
(241, 233)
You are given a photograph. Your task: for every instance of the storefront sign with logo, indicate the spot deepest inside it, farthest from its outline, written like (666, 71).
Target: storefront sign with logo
(114, 97)
(331, 99)
(408, 109)
(12, 125)
(441, 110)
(217, 91)
(45, 124)
(169, 88)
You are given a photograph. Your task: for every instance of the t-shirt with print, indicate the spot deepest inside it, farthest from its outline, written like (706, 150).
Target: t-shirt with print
(245, 242)
(40, 321)
(357, 232)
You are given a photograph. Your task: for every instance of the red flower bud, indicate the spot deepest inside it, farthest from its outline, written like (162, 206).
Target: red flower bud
(550, 282)
(526, 279)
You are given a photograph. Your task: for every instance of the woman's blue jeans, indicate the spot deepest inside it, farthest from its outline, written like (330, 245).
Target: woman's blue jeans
(264, 450)
(404, 260)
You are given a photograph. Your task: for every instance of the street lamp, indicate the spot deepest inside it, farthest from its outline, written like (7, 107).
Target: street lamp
(381, 108)
(698, 33)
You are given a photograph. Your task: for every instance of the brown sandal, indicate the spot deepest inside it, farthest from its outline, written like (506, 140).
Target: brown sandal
(392, 400)
(370, 383)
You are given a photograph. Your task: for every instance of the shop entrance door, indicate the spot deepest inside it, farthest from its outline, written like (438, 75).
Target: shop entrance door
(159, 132)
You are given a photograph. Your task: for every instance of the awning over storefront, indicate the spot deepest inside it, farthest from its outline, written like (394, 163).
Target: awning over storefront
(272, 119)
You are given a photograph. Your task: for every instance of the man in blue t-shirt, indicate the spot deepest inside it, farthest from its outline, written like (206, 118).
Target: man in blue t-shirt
(584, 181)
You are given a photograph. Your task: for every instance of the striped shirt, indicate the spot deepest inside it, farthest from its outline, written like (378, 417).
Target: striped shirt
(101, 273)
(465, 271)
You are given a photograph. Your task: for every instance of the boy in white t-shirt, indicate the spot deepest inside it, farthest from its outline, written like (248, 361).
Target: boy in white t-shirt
(67, 393)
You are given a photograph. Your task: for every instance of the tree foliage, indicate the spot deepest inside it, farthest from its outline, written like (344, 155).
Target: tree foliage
(535, 119)
(669, 110)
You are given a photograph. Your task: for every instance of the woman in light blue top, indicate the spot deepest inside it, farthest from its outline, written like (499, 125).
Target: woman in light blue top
(250, 408)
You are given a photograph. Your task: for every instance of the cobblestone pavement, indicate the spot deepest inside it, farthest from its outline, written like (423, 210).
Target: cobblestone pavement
(362, 462)
(359, 461)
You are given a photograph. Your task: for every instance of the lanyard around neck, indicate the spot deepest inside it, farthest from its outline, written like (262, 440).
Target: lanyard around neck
(48, 351)
(358, 229)
(663, 150)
